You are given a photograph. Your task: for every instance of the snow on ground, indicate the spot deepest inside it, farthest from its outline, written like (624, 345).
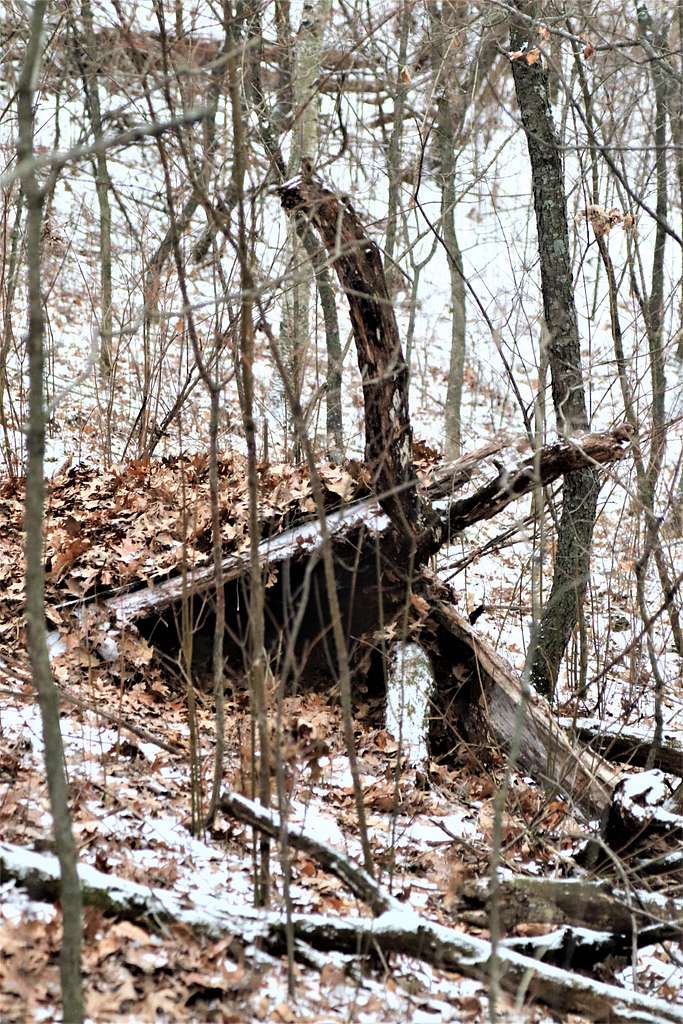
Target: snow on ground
(131, 804)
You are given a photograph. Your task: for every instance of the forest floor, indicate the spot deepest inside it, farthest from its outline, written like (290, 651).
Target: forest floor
(430, 826)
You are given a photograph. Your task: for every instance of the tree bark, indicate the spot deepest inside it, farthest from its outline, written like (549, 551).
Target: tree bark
(580, 491)
(357, 261)
(257, 652)
(70, 892)
(575, 901)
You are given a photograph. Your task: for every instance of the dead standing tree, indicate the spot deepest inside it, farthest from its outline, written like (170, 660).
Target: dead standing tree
(358, 264)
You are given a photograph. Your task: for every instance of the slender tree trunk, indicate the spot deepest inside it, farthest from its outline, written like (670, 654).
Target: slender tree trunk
(653, 309)
(10, 274)
(270, 130)
(449, 119)
(580, 490)
(395, 143)
(70, 964)
(258, 668)
(304, 147)
(102, 182)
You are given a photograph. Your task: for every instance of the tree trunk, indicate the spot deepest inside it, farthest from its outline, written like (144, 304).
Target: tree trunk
(357, 261)
(86, 59)
(451, 109)
(580, 492)
(70, 892)
(304, 146)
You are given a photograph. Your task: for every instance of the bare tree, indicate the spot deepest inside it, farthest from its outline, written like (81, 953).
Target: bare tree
(72, 994)
(580, 490)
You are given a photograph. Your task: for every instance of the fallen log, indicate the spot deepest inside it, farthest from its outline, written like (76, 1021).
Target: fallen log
(457, 514)
(630, 744)
(580, 949)
(583, 902)
(574, 923)
(408, 932)
(478, 696)
(643, 823)
(396, 929)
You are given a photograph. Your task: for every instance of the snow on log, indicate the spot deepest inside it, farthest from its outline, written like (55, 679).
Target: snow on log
(542, 468)
(631, 743)
(399, 929)
(584, 902)
(594, 920)
(581, 949)
(478, 696)
(396, 929)
(643, 806)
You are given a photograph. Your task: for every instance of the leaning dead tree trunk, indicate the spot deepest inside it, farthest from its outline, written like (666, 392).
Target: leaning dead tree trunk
(358, 264)
(476, 700)
(580, 491)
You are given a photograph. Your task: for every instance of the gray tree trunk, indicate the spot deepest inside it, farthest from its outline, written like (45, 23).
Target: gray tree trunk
(451, 107)
(304, 146)
(580, 490)
(70, 964)
(86, 59)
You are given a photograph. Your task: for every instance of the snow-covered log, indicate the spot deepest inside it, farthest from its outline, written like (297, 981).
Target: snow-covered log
(584, 902)
(458, 511)
(593, 919)
(401, 930)
(644, 807)
(395, 929)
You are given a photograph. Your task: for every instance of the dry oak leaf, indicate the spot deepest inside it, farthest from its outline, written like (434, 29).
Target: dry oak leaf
(419, 604)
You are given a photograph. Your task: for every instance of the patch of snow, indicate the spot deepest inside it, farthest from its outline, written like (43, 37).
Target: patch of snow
(409, 688)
